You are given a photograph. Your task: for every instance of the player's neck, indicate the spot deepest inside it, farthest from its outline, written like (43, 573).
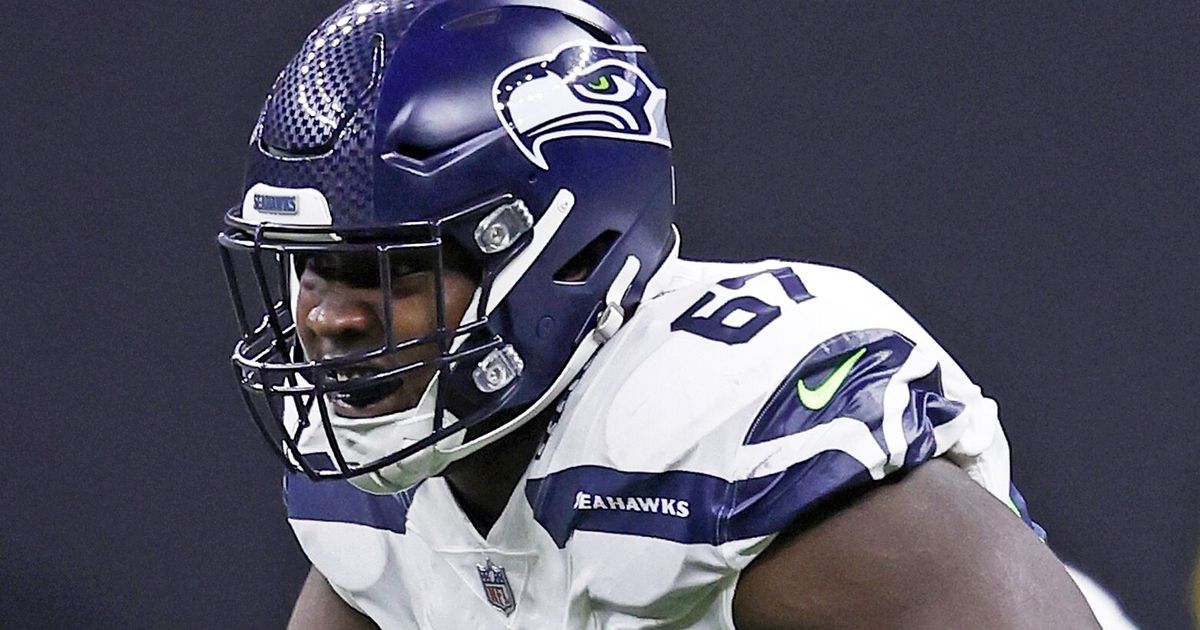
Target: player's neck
(483, 483)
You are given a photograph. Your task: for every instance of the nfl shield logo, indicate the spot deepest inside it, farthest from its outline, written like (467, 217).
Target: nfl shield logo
(495, 587)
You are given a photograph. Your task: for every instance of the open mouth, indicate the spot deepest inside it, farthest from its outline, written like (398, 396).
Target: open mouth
(364, 396)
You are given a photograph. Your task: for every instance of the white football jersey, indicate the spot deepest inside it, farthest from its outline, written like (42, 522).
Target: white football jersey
(736, 398)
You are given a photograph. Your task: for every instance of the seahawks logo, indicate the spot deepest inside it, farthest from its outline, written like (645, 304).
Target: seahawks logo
(580, 90)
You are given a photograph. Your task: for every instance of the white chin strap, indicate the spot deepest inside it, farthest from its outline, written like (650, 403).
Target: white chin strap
(373, 438)
(369, 439)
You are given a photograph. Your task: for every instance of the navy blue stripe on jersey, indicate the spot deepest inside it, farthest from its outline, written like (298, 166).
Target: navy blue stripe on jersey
(875, 356)
(337, 501)
(928, 407)
(687, 507)
(675, 505)
(860, 395)
(1018, 502)
(318, 461)
(767, 505)
(933, 403)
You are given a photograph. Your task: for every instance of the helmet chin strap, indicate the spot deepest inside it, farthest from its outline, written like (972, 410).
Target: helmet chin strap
(375, 437)
(411, 470)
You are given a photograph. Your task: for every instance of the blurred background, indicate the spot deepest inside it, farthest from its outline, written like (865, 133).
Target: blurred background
(1023, 176)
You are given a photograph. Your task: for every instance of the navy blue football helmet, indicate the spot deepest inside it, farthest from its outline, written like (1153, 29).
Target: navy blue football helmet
(522, 136)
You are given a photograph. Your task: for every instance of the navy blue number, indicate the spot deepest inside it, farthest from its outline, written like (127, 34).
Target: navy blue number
(786, 277)
(714, 327)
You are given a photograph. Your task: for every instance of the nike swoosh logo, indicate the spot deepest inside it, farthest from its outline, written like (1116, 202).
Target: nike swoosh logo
(816, 399)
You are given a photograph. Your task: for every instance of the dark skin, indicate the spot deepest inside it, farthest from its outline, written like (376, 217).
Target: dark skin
(340, 311)
(931, 549)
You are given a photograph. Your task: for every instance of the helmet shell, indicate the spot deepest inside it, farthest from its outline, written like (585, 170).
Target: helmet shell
(410, 112)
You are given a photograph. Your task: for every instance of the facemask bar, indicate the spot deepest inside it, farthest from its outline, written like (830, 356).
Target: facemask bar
(269, 363)
(248, 334)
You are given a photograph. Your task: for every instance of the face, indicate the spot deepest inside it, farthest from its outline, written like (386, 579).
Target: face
(340, 311)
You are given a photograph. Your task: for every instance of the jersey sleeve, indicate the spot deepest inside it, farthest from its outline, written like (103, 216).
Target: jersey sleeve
(863, 404)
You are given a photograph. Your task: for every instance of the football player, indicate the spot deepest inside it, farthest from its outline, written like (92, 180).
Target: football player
(505, 401)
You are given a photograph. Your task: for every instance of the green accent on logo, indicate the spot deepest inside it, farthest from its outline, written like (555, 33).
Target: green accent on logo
(816, 399)
(1012, 506)
(601, 86)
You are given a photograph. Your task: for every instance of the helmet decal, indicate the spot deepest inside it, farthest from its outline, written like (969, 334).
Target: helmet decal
(264, 203)
(580, 90)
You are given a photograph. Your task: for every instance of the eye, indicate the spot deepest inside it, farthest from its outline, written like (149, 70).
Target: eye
(361, 270)
(602, 85)
(327, 266)
(411, 275)
(402, 268)
(606, 86)
(415, 283)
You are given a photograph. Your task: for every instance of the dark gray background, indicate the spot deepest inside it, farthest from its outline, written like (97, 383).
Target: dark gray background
(1023, 177)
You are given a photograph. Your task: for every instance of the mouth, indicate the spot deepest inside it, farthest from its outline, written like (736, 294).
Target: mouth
(378, 396)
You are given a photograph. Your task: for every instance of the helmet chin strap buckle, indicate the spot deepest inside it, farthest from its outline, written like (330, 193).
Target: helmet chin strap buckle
(610, 320)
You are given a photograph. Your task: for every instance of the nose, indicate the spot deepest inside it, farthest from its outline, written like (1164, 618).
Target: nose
(340, 320)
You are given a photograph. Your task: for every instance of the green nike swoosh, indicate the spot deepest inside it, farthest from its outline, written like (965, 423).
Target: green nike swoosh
(816, 399)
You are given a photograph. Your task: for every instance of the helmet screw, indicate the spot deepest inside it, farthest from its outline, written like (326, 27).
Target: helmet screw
(500, 229)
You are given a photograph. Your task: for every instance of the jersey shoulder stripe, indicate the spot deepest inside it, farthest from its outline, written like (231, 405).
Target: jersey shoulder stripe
(854, 367)
(1017, 502)
(682, 506)
(341, 502)
(848, 377)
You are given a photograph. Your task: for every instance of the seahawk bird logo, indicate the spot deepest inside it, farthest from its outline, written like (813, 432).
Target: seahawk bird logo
(580, 90)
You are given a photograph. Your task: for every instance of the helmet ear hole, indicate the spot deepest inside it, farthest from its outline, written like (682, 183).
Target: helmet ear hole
(579, 268)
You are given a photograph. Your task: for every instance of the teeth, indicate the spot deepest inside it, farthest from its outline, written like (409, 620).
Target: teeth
(343, 376)
(369, 390)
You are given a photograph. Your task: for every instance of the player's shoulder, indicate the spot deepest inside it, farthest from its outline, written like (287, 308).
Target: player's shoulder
(681, 385)
(747, 394)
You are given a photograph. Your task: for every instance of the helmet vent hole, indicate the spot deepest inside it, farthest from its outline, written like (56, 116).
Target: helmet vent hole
(475, 20)
(417, 152)
(598, 33)
(579, 269)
